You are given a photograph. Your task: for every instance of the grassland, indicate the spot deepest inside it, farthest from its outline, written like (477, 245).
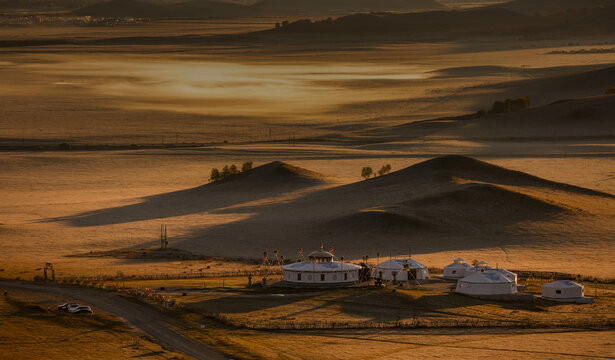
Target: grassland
(427, 322)
(29, 331)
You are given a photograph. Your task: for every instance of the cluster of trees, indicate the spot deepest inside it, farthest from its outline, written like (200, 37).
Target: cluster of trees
(507, 105)
(229, 171)
(367, 172)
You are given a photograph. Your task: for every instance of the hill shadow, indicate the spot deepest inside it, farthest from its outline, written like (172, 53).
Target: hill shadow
(269, 180)
(454, 201)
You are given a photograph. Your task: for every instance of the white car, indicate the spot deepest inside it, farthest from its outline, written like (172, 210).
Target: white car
(66, 306)
(81, 309)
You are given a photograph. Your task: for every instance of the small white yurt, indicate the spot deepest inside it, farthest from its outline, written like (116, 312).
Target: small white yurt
(565, 291)
(400, 270)
(458, 269)
(486, 283)
(320, 270)
(482, 266)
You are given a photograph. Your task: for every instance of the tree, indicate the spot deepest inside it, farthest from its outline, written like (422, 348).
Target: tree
(225, 172)
(384, 170)
(233, 170)
(247, 166)
(215, 175)
(367, 172)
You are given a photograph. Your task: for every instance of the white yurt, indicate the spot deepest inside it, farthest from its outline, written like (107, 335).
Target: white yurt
(486, 283)
(400, 270)
(509, 274)
(458, 269)
(482, 266)
(320, 270)
(565, 291)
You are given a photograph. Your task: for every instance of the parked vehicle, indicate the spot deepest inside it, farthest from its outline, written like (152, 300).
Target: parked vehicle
(66, 306)
(82, 309)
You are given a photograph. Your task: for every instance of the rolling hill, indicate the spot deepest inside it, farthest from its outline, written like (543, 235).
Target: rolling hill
(194, 9)
(343, 6)
(481, 22)
(546, 7)
(456, 202)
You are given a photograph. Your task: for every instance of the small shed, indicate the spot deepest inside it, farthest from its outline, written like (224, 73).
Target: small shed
(458, 269)
(400, 270)
(565, 291)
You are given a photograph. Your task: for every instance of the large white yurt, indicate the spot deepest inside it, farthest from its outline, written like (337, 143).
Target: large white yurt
(486, 283)
(458, 269)
(509, 274)
(400, 270)
(320, 270)
(565, 291)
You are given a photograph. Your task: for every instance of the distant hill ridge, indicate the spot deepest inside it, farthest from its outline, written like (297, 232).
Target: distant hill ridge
(486, 21)
(545, 7)
(193, 9)
(338, 6)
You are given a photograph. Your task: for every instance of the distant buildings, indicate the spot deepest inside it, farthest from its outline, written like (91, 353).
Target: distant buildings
(400, 270)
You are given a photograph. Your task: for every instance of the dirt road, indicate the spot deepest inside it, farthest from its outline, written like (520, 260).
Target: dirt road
(142, 317)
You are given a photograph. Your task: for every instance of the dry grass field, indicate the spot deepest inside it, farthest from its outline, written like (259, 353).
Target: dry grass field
(29, 331)
(362, 319)
(532, 189)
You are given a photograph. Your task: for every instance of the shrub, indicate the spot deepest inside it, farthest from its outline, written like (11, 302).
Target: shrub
(510, 105)
(500, 107)
(65, 146)
(215, 175)
(384, 170)
(247, 166)
(367, 172)
(229, 171)
(482, 113)
(233, 170)
(610, 91)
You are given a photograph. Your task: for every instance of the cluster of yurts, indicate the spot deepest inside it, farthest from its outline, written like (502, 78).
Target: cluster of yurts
(322, 270)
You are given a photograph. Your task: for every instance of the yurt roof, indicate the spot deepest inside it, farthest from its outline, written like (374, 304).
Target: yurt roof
(482, 263)
(459, 266)
(459, 260)
(563, 284)
(505, 272)
(398, 264)
(320, 254)
(311, 266)
(490, 277)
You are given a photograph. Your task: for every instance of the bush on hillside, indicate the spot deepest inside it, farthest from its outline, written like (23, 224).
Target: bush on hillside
(229, 171)
(384, 170)
(367, 172)
(509, 105)
(247, 166)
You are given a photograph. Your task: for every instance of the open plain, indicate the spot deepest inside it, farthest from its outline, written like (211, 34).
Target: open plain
(108, 132)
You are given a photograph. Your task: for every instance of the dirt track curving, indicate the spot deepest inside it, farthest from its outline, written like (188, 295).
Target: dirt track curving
(148, 320)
